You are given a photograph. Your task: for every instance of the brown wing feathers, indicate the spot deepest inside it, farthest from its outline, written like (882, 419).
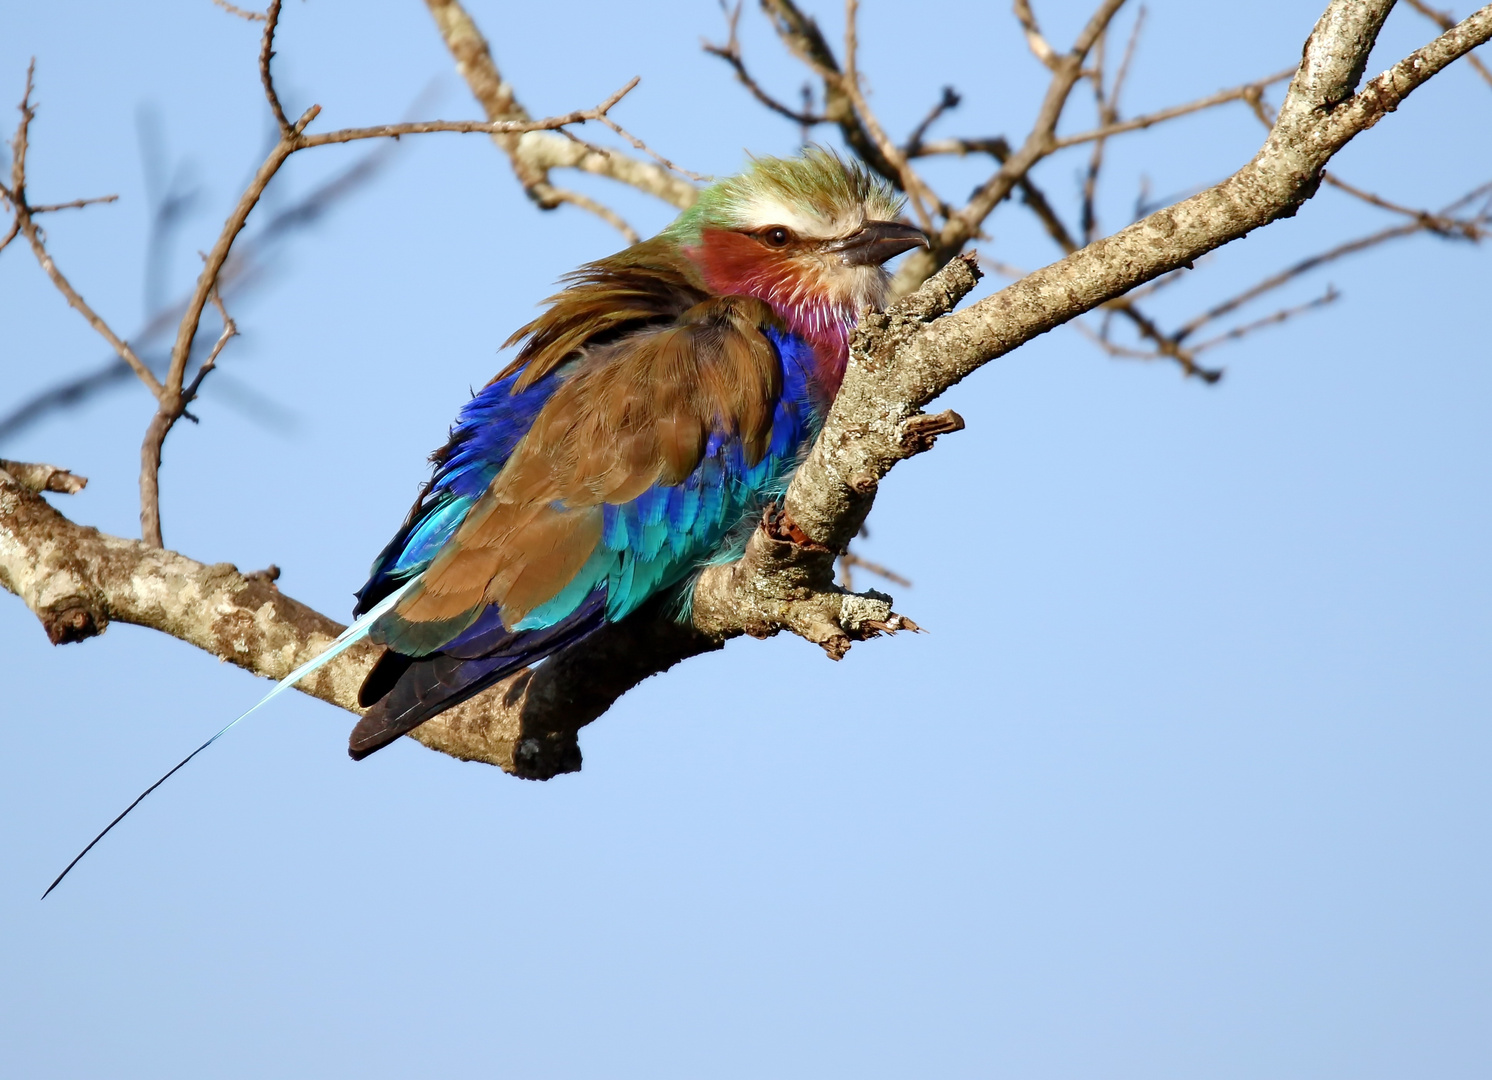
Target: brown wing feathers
(648, 283)
(636, 412)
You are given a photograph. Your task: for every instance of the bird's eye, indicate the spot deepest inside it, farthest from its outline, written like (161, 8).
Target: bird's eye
(777, 236)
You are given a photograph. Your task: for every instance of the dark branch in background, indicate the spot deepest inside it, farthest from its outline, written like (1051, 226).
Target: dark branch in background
(950, 100)
(252, 260)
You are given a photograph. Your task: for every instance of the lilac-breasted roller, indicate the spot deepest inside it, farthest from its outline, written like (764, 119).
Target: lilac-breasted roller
(663, 398)
(660, 402)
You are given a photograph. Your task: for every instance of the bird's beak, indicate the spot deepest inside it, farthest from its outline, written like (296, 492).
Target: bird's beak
(878, 241)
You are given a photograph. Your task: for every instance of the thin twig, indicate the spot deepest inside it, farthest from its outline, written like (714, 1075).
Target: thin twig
(1108, 113)
(996, 146)
(477, 127)
(1040, 47)
(74, 204)
(964, 225)
(266, 54)
(11, 233)
(730, 52)
(1222, 97)
(638, 144)
(949, 100)
(1438, 223)
(850, 559)
(26, 224)
(922, 197)
(803, 38)
(605, 213)
(234, 9)
(1274, 281)
(230, 330)
(1330, 296)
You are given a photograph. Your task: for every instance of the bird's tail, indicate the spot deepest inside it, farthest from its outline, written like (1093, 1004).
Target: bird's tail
(345, 640)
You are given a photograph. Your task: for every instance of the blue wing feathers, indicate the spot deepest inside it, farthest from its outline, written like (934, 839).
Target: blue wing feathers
(650, 544)
(486, 431)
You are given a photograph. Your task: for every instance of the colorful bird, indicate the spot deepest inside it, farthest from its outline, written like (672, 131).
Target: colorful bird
(662, 400)
(660, 403)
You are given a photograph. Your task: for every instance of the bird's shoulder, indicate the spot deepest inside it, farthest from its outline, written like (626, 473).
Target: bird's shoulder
(648, 284)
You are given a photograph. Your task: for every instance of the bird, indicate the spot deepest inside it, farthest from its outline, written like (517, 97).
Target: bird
(655, 408)
(661, 401)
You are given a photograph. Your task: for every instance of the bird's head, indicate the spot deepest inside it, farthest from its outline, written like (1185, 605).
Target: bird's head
(809, 235)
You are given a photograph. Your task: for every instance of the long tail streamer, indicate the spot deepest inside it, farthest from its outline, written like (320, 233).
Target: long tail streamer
(348, 638)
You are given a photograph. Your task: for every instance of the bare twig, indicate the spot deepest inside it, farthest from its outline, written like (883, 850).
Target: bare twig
(1274, 281)
(1246, 92)
(266, 54)
(26, 223)
(74, 204)
(964, 225)
(638, 144)
(730, 52)
(477, 127)
(534, 154)
(174, 398)
(234, 9)
(1107, 103)
(1330, 296)
(1040, 47)
(849, 560)
(244, 268)
(1437, 223)
(803, 38)
(601, 210)
(950, 100)
(230, 330)
(923, 200)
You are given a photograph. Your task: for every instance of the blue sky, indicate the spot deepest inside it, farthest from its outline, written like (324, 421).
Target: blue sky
(1188, 778)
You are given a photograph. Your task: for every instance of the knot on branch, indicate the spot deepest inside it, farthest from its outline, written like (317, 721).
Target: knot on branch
(74, 618)
(546, 754)
(920, 432)
(778, 525)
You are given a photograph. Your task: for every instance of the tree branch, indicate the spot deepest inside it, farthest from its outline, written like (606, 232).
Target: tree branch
(1445, 20)
(77, 580)
(962, 226)
(534, 155)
